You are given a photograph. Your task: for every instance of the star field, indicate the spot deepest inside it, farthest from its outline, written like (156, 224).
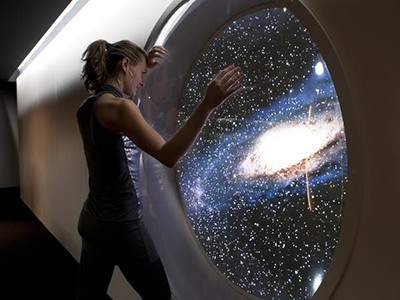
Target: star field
(255, 224)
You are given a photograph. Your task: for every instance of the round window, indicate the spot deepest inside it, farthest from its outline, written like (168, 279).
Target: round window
(264, 185)
(255, 210)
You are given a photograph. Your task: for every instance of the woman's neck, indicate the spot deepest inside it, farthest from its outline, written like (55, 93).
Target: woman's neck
(114, 83)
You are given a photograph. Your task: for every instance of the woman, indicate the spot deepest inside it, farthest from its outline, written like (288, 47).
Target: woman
(111, 223)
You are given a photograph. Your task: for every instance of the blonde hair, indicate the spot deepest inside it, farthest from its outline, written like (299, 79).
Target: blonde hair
(101, 59)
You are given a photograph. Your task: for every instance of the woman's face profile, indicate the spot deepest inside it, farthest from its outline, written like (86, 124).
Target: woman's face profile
(135, 77)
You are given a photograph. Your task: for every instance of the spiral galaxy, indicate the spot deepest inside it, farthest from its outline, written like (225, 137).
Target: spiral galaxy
(264, 185)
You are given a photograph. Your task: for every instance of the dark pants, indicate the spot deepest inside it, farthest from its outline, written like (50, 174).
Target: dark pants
(149, 281)
(132, 251)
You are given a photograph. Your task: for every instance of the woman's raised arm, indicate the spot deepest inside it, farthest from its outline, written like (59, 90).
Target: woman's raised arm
(123, 116)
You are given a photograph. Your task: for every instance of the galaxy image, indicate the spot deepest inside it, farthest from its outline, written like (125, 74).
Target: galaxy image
(265, 183)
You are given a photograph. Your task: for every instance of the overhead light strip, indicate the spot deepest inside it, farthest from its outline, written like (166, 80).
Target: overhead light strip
(69, 12)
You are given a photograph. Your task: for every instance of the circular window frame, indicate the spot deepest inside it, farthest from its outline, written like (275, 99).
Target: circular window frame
(159, 180)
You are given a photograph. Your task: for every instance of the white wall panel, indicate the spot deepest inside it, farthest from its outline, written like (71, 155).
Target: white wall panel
(54, 180)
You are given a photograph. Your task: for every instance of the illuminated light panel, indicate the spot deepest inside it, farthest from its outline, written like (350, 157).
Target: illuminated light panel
(69, 12)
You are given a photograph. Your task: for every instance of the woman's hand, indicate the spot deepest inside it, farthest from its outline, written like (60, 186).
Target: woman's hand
(154, 55)
(225, 84)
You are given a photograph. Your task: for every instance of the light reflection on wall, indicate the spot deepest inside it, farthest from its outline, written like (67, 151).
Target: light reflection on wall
(264, 185)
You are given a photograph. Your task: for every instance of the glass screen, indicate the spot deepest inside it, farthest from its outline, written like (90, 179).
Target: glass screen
(264, 184)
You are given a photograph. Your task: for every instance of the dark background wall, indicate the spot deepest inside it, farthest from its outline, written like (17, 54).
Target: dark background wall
(9, 166)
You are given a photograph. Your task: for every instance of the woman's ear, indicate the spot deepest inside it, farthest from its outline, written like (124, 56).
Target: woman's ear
(125, 62)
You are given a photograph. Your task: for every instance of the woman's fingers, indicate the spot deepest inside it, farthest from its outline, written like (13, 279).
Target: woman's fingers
(233, 79)
(158, 48)
(225, 71)
(231, 76)
(158, 51)
(230, 80)
(234, 88)
(155, 53)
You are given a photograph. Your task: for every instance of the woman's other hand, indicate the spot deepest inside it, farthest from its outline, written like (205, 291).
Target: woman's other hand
(156, 54)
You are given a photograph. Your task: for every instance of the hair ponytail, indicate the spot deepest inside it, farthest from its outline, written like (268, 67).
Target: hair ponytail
(101, 58)
(95, 72)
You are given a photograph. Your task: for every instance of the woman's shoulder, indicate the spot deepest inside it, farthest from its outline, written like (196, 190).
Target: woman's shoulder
(114, 103)
(109, 102)
(110, 110)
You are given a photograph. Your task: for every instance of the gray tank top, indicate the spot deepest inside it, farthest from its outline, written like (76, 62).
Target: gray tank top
(113, 164)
